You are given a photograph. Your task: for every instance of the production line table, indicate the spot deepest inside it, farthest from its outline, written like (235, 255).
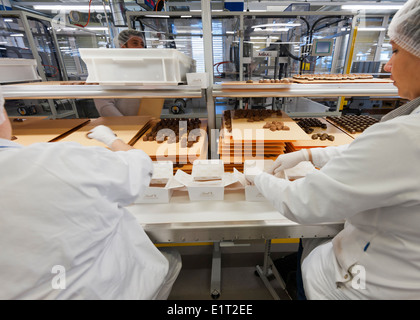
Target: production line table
(232, 219)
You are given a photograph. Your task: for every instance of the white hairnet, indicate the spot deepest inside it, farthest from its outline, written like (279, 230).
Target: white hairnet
(404, 29)
(2, 118)
(125, 35)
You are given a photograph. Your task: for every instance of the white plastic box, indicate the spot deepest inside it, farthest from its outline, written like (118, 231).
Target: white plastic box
(123, 66)
(18, 70)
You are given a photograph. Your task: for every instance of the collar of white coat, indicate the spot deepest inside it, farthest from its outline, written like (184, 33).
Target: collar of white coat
(417, 110)
(416, 101)
(4, 143)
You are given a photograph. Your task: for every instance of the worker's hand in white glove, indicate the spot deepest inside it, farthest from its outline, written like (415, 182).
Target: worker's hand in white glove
(287, 161)
(103, 134)
(251, 173)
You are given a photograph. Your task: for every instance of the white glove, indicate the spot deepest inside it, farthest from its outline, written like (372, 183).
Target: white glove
(251, 173)
(102, 134)
(287, 161)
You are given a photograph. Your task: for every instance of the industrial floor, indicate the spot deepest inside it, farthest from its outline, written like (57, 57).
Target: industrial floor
(238, 278)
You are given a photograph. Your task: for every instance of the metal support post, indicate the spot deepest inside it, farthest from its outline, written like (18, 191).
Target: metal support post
(216, 271)
(269, 269)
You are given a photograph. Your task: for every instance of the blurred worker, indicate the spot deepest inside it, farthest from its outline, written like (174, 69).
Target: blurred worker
(64, 231)
(372, 184)
(131, 39)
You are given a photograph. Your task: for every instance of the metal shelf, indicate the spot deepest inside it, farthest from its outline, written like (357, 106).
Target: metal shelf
(314, 90)
(63, 91)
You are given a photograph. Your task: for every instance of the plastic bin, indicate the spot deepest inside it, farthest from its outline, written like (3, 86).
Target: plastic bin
(122, 66)
(18, 70)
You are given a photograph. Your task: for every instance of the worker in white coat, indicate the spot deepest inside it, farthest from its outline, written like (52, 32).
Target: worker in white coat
(372, 185)
(122, 107)
(64, 231)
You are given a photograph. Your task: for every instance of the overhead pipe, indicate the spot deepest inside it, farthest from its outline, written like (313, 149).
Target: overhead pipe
(118, 12)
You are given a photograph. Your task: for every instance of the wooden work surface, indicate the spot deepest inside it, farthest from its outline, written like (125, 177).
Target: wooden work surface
(255, 85)
(55, 83)
(234, 153)
(341, 137)
(353, 135)
(173, 152)
(374, 80)
(127, 128)
(35, 130)
(242, 130)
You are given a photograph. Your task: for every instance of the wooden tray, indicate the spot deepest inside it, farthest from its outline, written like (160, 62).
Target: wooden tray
(242, 130)
(374, 80)
(128, 129)
(341, 137)
(35, 130)
(173, 152)
(353, 135)
(256, 85)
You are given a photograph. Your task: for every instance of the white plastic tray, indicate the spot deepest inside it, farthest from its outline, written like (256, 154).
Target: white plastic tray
(124, 66)
(18, 70)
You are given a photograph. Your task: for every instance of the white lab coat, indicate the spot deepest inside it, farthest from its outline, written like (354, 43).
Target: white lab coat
(61, 204)
(374, 186)
(117, 107)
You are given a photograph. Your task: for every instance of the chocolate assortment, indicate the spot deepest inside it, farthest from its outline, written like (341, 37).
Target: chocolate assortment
(284, 80)
(276, 125)
(249, 114)
(175, 130)
(332, 77)
(255, 114)
(353, 123)
(323, 136)
(227, 120)
(307, 124)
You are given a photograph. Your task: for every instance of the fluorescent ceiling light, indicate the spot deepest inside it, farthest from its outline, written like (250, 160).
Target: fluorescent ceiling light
(371, 29)
(155, 16)
(271, 30)
(97, 28)
(70, 8)
(17, 35)
(371, 6)
(277, 25)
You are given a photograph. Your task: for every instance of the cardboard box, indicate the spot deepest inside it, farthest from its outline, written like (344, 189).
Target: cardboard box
(205, 190)
(254, 167)
(204, 170)
(299, 171)
(251, 169)
(198, 79)
(161, 185)
(252, 194)
(162, 172)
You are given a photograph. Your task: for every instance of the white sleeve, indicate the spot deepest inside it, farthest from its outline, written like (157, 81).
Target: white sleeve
(107, 107)
(98, 172)
(320, 156)
(362, 178)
